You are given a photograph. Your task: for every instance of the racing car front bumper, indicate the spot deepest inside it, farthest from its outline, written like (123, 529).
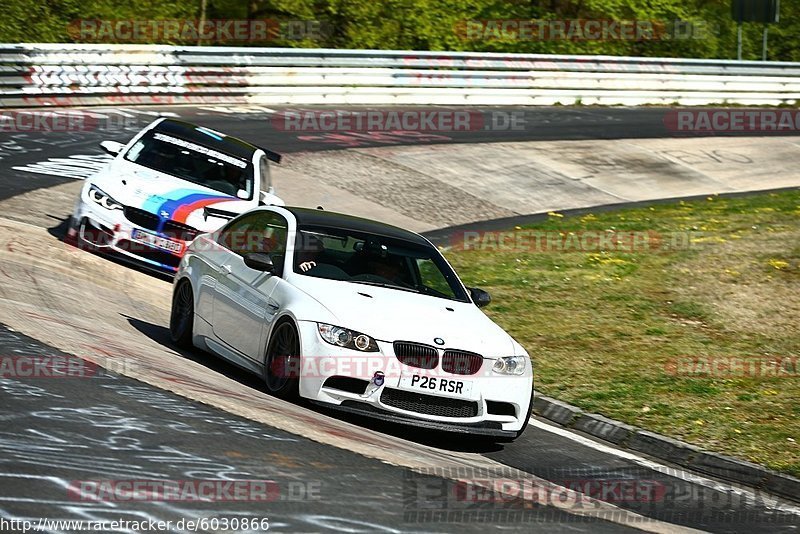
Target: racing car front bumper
(376, 384)
(110, 232)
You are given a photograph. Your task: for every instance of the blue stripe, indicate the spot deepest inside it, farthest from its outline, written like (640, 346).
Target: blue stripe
(174, 200)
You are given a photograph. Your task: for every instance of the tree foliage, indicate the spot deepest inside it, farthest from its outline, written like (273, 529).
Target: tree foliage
(686, 28)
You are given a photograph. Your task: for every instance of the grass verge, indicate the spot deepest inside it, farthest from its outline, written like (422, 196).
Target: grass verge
(692, 330)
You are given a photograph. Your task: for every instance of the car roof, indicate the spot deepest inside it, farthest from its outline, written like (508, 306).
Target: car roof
(340, 221)
(212, 139)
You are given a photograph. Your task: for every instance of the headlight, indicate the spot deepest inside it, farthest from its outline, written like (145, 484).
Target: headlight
(510, 365)
(102, 198)
(342, 337)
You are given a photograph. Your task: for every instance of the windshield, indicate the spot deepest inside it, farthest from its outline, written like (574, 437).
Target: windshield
(375, 260)
(194, 163)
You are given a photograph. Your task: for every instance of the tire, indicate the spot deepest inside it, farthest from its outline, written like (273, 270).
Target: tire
(181, 319)
(281, 367)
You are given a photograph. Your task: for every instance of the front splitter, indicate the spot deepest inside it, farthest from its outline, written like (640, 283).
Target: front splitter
(482, 429)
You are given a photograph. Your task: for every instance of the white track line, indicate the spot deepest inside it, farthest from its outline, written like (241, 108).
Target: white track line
(756, 496)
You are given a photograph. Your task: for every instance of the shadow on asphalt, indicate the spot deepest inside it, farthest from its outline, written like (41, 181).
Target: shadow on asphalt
(60, 232)
(160, 334)
(450, 441)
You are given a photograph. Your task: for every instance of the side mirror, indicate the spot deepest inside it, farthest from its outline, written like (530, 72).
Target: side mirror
(480, 297)
(259, 261)
(112, 147)
(269, 198)
(241, 193)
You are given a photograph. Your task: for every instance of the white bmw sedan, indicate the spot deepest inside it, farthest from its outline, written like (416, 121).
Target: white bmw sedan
(354, 314)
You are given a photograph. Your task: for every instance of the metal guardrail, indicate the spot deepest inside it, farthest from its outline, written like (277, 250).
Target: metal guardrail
(70, 75)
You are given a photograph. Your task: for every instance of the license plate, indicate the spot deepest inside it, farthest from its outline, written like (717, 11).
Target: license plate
(156, 241)
(436, 384)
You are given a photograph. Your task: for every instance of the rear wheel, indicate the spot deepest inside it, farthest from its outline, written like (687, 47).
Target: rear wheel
(282, 373)
(181, 320)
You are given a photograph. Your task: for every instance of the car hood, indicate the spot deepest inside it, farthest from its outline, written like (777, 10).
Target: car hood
(395, 315)
(165, 195)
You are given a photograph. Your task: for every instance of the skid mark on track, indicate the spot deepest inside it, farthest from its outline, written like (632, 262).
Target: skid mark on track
(77, 166)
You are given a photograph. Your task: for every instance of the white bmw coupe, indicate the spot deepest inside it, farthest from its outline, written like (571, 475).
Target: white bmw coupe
(164, 187)
(354, 314)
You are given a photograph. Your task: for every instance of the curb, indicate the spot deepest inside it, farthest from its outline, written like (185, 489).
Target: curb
(666, 448)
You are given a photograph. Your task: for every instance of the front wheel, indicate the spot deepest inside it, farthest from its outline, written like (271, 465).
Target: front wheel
(282, 363)
(181, 320)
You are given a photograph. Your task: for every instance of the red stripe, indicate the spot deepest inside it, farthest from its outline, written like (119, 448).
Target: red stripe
(183, 212)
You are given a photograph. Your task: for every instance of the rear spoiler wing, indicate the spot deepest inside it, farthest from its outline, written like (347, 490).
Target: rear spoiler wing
(221, 214)
(272, 156)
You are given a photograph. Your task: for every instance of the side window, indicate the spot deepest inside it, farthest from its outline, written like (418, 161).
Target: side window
(266, 178)
(263, 231)
(431, 277)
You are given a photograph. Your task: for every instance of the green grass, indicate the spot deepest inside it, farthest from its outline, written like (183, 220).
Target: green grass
(603, 326)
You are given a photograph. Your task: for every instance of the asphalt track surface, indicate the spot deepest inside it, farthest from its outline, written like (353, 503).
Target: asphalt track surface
(111, 427)
(55, 432)
(260, 126)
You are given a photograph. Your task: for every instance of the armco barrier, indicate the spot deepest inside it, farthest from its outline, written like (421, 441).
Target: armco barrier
(69, 75)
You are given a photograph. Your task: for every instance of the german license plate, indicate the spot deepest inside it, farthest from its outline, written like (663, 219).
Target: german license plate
(437, 385)
(156, 241)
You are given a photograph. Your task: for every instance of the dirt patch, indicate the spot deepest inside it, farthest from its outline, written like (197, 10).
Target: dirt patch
(751, 283)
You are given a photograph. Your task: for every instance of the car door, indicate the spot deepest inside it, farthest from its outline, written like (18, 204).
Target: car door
(242, 296)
